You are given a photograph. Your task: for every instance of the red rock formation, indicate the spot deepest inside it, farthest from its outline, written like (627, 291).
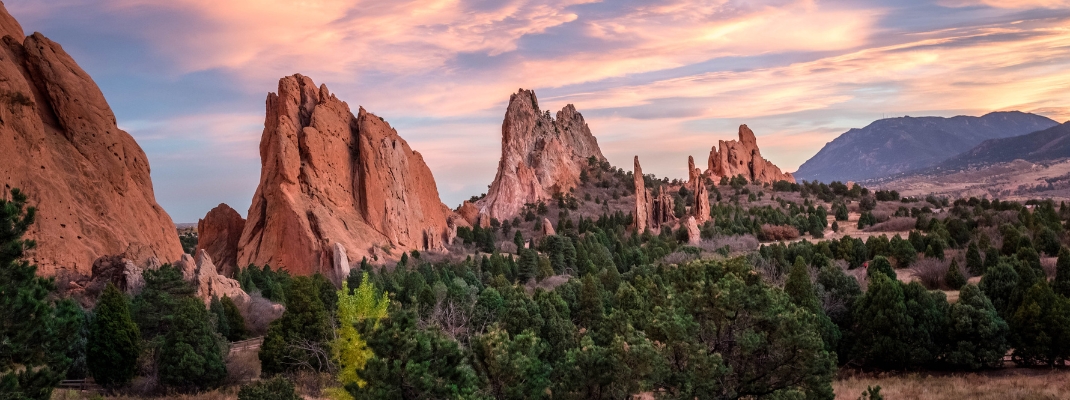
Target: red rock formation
(547, 227)
(469, 212)
(202, 274)
(661, 210)
(218, 233)
(59, 143)
(701, 208)
(693, 234)
(642, 199)
(331, 177)
(540, 155)
(742, 157)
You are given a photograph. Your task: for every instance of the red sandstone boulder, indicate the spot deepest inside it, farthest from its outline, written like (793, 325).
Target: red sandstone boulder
(218, 233)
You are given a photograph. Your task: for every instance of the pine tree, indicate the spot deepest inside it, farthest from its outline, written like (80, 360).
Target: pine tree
(191, 358)
(802, 293)
(1061, 285)
(1041, 328)
(882, 325)
(953, 277)
(882, 266)
(998, 285)
(114, 340)
(974, 264)
(235, 321)
(219, 316)
(590, 307)
(835, 226)
(304, 321)
(35, 336)
(518, 240)
(977, 336)
(527, 266)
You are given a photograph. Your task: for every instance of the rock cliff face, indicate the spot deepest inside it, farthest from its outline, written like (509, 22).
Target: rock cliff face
(742, 157)
(331, 177)
(59, 143)
(651, 212)
(540, 155)
(218, 233)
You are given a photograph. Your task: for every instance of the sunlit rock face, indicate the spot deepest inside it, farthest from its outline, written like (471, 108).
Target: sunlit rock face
(88, 179)
(330, 177)
(541, 155)
(741, 157)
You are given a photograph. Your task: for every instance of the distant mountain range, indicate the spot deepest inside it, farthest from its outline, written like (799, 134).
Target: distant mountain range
(896, 145)
(1049, 144)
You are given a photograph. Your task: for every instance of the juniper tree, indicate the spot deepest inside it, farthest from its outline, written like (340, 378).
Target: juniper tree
(114, 340)
(191, 358)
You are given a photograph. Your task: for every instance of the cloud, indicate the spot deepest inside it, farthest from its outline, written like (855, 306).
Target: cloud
(1007, 3)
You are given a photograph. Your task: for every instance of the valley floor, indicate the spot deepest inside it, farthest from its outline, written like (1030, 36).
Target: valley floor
(1010, 383)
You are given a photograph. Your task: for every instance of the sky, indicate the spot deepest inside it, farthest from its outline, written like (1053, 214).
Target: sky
(661, 79)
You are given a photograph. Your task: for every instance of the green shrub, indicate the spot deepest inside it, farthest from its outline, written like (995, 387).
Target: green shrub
(277, 388)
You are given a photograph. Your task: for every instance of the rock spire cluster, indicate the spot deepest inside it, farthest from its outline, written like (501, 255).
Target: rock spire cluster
(743, 158)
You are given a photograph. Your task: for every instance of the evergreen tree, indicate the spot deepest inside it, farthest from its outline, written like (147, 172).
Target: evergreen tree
(191, 358)
(158, 300)
(954, 278)
(219, 317)
(1048, 241)
(526, 268)
(882, 325)
(511, 366)
(304, 322)
(591, 309)
(1041, 328)
(277, 388)
(114, 341)
(905, 253)
(998, 285)
(235, 321)
(880, 265)
(413, 363)
(1061, 285)
(801, 291)
(35, 335)
(977, 336)
(974, 263)
(518, 240)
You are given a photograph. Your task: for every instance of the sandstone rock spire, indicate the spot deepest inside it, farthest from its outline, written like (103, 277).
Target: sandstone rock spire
(540, 155)
(743, 158)
(642, 199)
(329, 177)
(60, 144)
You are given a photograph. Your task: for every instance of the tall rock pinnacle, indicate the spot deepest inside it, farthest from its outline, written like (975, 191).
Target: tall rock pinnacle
(540, 155)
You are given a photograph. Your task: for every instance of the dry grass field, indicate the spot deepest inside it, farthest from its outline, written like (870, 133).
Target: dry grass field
(1004, 384)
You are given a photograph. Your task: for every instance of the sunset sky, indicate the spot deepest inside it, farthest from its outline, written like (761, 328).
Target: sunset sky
(661, 79)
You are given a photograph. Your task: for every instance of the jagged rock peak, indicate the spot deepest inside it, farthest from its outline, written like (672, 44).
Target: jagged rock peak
(540, 155)
(88, 179)
(328, 176)
(742, 157)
